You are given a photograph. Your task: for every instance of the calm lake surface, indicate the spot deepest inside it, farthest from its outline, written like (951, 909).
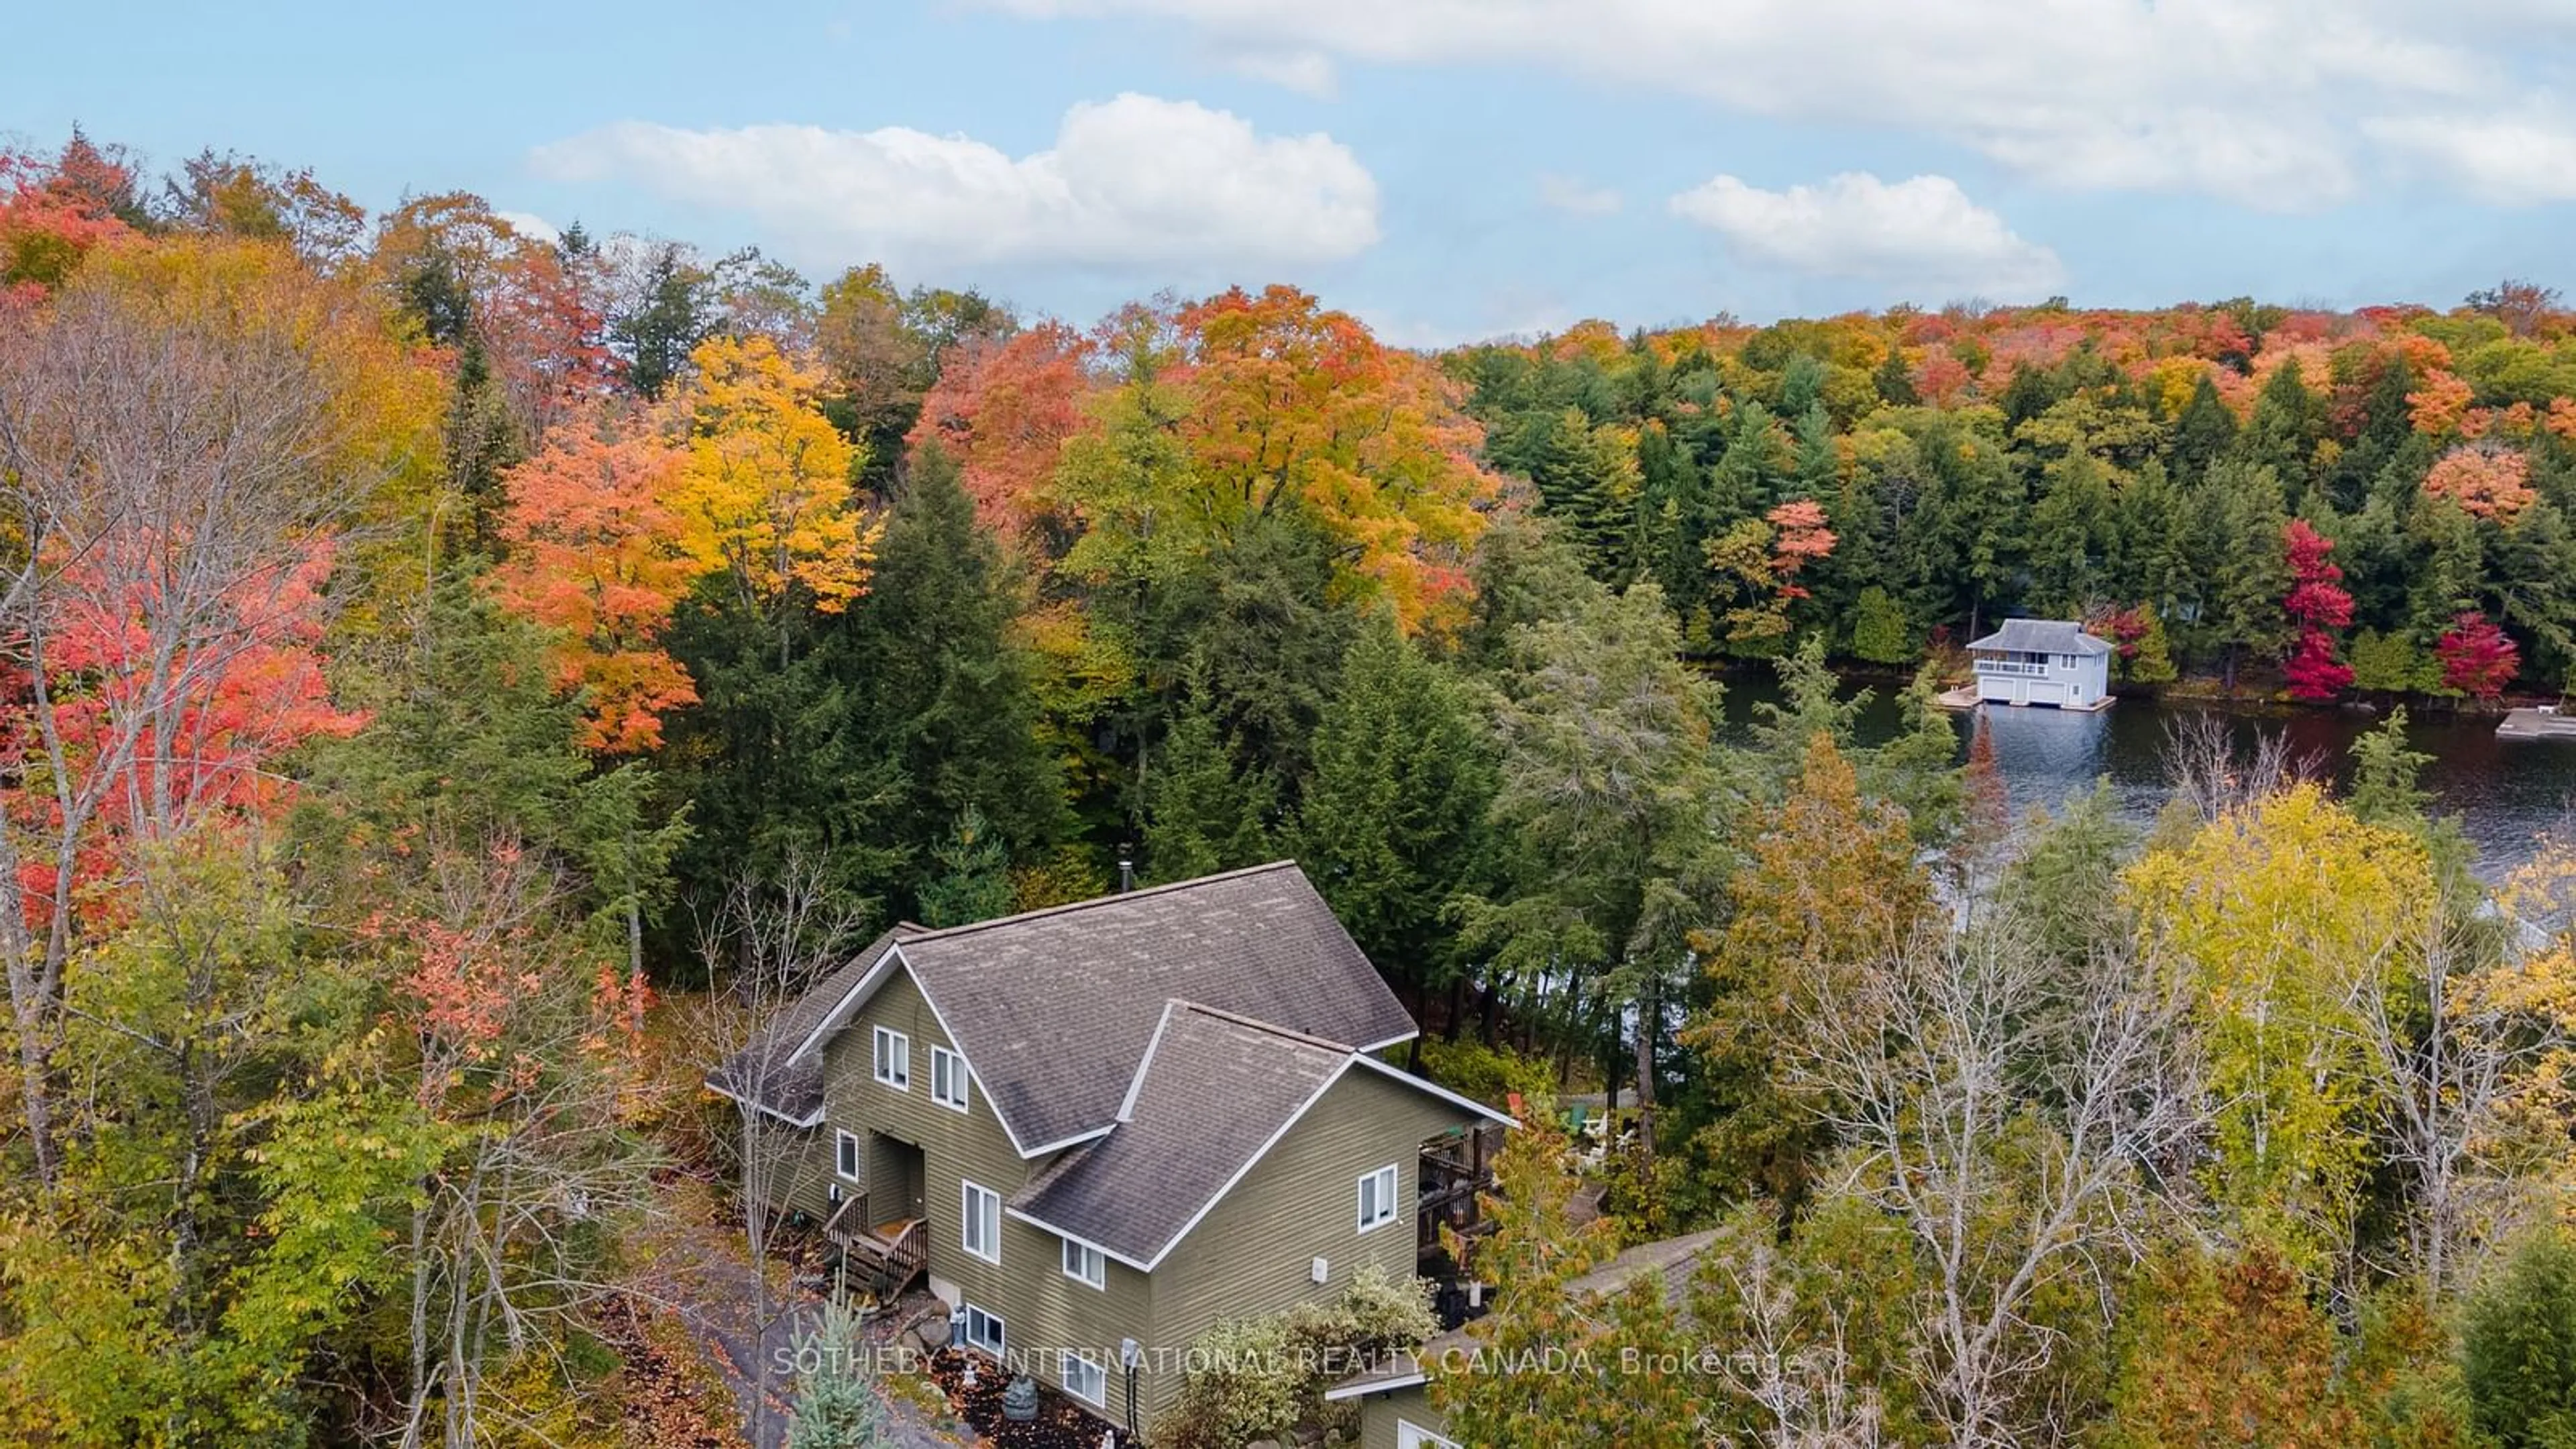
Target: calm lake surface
(2505, 793)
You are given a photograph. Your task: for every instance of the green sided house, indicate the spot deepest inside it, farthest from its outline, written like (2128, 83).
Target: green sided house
(1102, 1129)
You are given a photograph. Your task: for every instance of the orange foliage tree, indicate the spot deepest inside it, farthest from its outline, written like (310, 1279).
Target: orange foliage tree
(594, 558)
(612, 523)
(1289, 401)
(2491, 482)
(1003, 409)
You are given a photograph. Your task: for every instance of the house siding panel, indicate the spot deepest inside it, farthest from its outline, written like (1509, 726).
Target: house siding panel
(1252, 1254)
(1041, 1309)
(800, 1170)
(1380, 1412)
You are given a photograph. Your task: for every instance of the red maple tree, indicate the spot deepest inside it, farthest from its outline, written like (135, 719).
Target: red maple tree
(2319, 604)
(53, 212)
(1004, 408)
(2478, 658)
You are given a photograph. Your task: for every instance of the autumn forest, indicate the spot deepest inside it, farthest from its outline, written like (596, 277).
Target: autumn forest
(454, 677)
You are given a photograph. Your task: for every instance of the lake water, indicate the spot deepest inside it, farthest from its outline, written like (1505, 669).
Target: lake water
(2505, 793)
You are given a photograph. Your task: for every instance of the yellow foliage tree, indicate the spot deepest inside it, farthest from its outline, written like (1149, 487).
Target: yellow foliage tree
(1830, 889)
(245, 306)
(766, 494)
(2286, 912)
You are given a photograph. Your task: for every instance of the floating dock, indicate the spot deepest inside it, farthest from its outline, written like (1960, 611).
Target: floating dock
(2544, 723)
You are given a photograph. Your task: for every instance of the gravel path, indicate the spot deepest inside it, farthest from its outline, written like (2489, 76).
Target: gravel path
(700, 1268)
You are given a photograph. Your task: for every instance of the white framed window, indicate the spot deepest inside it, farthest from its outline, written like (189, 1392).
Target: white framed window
(845, 1155)
(1085, 1264)
(894, 1059)
(982, 1233)
(983, 1331)
(1409, 1435)
(947, 1078)
(1377, 1198)
(1082, 1378)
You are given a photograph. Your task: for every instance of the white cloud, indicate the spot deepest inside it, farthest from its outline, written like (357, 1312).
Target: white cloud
(532, 226)
(2505, 160)
(1135, 182)
(1922, 233)
(1576, 197)
(1307, 72)
(2260, 101)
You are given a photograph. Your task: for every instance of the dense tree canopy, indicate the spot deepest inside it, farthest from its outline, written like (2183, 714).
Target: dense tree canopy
(454, 679)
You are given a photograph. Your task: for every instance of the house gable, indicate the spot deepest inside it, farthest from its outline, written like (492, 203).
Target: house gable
(1252, 1252)
(1215, 1094)
(974, 1144)
(1041, 1308)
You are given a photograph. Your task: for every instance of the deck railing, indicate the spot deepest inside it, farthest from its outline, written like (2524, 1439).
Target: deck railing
(899, 1259)
(849, 1221)
(908, 1256)
(2009, 666)
(1454, 1168)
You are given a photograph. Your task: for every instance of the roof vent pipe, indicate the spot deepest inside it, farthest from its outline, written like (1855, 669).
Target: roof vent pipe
(1126, 868)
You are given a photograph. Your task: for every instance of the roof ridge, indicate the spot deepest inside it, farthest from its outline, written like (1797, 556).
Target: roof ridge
(1112, 898)
(1257, 1024)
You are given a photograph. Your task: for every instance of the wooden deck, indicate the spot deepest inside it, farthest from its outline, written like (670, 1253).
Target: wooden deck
(1966, 697)
(892, 1253)
(2536, 724)
(1454, 1169)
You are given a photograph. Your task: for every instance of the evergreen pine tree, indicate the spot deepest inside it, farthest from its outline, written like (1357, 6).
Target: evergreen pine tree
(1391, 826)
(2070, 530)
(2518, 1348)
(1200, 815)
(974, 879)
(2283, 431)
(1895, 381)
(671, 316)
(482, 441)
(952, 709)
(1669, 536)
(1745, 479)
(836, 1408)
(2205, 430)
(778, 762)
(2385, 771)
(1878, 628)
(2065, 886)
(2243, 503)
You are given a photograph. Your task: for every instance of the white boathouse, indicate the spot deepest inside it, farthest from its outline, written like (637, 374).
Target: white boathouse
(2043, 661)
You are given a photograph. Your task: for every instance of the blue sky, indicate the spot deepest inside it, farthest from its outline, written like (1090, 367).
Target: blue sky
(1447, 168)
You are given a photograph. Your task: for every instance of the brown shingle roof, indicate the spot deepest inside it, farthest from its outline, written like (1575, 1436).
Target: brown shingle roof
(793, 1089)
(1053, 1009)
(1213, 1092)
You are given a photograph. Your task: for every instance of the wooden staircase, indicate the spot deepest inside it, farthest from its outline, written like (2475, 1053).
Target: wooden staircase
(890, 1255)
